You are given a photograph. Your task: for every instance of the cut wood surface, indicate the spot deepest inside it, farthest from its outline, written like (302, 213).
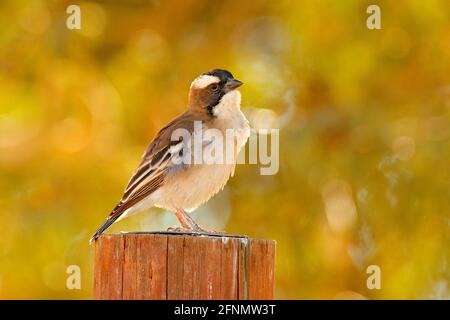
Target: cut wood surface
(164, 266)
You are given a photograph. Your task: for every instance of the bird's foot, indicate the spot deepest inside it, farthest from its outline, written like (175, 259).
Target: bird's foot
(200, 230)
(179, 230)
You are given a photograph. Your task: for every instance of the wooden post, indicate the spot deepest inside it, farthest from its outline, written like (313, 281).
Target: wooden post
(166, 265)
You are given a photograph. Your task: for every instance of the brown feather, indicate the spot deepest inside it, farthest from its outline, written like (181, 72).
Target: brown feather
(155, 160)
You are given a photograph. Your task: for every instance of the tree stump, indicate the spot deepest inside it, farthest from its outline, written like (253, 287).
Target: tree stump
(163, 266)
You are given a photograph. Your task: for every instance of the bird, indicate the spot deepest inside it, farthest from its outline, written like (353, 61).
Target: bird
(162, 180)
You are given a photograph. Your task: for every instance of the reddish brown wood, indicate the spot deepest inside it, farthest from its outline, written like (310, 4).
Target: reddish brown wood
(108, 267)
(152, 257)
(177, 266)
(175, 269)
(130, 268)
(243, 269)
(229, 274)
(261, 270)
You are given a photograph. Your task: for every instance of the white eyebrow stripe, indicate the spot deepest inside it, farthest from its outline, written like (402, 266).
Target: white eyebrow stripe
(203, 81)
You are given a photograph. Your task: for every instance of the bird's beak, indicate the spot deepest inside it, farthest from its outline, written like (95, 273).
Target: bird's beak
(233, 84)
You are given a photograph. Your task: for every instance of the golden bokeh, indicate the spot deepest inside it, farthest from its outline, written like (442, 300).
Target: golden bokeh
(364, 119)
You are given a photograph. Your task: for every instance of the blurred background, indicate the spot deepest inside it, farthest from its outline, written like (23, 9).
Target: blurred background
(364, 119)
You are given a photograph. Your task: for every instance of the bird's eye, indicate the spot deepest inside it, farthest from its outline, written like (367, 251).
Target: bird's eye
(215, 87)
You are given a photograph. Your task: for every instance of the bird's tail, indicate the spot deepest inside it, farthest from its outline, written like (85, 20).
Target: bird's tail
(106, 224)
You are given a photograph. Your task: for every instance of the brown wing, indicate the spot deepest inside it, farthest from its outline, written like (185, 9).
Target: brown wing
(155, 161)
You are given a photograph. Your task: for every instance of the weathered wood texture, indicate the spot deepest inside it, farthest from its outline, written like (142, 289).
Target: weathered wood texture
(171, 266)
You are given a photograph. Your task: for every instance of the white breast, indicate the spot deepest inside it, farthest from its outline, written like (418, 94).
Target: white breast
(229, 116)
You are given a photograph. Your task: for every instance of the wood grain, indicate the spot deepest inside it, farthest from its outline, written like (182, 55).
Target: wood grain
(108, 267)
(181, 266)
(229, 274)
(261, 270)
(175, 267)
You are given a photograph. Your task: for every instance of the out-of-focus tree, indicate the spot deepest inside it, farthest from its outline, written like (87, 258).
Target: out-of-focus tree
(364, 135)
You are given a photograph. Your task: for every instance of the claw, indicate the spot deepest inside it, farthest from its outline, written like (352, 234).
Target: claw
(188, 225)
(197, 229)
(179, 229)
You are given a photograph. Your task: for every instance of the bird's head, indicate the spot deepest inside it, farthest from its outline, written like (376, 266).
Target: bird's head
(212, 87)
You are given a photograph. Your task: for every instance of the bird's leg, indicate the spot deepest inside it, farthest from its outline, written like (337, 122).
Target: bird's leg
(182, 219)
(194, 226)
(185, 226)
